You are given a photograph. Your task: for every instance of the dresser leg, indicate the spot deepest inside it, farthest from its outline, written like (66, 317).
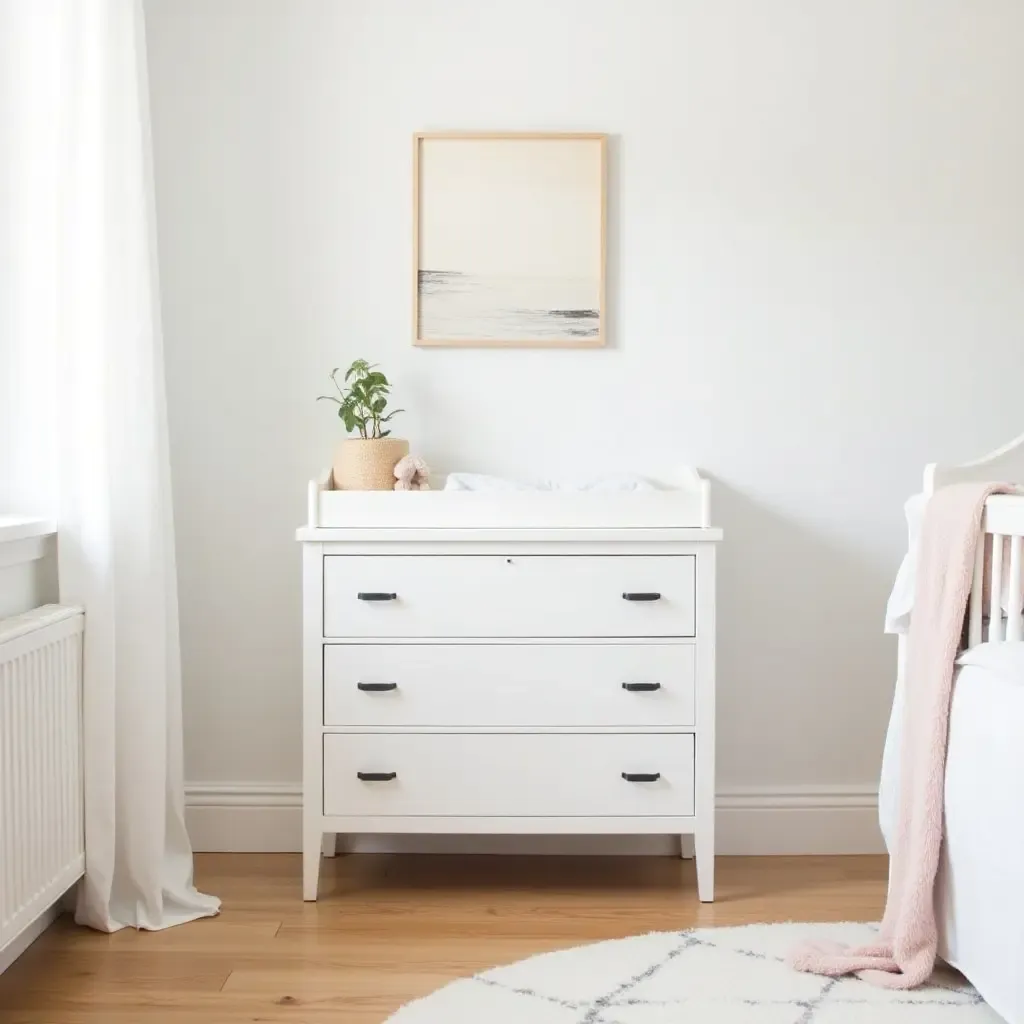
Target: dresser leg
(330, 844)
(686, 846)
(704, 842)
(311, 849)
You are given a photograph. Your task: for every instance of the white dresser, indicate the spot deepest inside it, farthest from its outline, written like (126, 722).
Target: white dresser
(526, 662)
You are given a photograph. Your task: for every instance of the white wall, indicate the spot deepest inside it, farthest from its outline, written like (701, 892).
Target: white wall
(27, 584)
(816, 257)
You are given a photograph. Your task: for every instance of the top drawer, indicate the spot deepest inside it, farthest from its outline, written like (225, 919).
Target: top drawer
(520, 596)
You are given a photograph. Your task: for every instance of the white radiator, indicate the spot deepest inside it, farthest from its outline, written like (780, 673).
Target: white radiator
(42, 846)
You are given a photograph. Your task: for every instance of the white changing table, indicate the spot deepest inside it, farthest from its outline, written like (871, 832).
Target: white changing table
(528, 662)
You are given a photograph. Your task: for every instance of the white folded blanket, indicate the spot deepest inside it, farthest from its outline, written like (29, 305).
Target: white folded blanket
(901, 600)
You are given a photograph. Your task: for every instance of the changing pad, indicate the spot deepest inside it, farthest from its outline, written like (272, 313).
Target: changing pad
(482, 482)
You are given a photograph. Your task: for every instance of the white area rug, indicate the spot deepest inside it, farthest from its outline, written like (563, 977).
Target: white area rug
(707, 976)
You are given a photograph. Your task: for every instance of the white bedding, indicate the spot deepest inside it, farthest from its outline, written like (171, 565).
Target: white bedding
(980, 891)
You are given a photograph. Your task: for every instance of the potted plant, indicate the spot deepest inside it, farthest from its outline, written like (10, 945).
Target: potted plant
(366, 462)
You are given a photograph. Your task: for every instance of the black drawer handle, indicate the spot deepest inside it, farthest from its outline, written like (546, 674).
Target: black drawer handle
(376, 687)
(641, 595)
(641, 687)
(376, 776)
(641, 776)
(375, 595)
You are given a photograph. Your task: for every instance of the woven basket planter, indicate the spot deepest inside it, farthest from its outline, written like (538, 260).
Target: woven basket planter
(368, 465)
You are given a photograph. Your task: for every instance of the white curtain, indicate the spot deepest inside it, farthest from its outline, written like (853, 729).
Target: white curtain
(86, 424)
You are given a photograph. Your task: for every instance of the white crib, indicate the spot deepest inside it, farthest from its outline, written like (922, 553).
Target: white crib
(980, 889)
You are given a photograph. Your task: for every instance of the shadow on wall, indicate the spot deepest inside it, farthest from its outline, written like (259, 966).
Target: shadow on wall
(800, 648)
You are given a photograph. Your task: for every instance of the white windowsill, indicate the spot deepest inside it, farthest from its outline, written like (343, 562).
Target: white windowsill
(25, 540)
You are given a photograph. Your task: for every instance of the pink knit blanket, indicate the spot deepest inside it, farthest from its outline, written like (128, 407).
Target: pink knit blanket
(908, 938)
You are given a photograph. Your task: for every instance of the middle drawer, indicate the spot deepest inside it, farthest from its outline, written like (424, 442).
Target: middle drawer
(509, 684)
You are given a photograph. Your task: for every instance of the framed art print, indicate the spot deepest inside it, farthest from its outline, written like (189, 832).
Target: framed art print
(509, 239)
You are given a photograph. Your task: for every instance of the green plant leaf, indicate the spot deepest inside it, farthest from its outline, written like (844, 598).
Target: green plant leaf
(359, 369)
(359, 396)
(328, 398)
(361, 404)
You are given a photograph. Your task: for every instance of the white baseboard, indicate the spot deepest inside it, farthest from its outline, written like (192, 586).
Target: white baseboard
(247, 818)
(14, 949)
(798, 820)
(244, 818)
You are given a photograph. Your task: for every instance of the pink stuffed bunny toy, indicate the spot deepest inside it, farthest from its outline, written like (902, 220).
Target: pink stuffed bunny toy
(412, 474)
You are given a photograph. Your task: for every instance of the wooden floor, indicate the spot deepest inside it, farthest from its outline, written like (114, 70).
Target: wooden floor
(389, 929)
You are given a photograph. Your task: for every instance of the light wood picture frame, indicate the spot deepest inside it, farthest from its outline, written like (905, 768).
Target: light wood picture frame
(509, 239)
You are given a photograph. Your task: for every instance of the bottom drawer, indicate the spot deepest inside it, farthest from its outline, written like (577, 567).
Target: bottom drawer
(508, 775)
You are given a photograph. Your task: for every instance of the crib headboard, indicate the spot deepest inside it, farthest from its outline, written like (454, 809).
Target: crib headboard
(994, 612)
(1004, 526)
(1006, 463)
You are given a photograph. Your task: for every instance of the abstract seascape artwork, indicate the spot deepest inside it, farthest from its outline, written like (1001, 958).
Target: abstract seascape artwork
(509, 240)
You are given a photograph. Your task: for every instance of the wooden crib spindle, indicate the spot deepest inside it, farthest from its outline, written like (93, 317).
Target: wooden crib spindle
(1015, 617)
(995, 613)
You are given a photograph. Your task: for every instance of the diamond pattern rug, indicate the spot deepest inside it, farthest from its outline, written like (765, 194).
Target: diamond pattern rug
(707, 976)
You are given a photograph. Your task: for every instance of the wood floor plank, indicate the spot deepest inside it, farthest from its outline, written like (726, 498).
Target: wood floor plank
(229, 928)
(390, 929)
